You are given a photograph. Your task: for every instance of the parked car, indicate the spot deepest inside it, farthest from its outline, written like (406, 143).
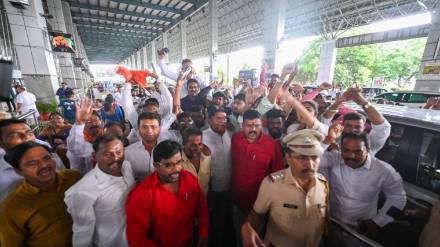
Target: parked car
(373, 91)
(413, 149)
(412, 99)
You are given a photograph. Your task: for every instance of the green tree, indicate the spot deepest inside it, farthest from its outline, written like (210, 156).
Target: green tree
(397, 61)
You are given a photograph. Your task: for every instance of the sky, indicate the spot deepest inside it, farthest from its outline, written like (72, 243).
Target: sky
(289, 50)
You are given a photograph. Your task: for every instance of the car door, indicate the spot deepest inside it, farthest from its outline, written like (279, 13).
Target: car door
(414, 100)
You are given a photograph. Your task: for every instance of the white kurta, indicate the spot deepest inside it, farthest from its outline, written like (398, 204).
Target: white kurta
(97, 206)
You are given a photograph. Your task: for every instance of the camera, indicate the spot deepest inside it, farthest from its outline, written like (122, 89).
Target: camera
(249, 76)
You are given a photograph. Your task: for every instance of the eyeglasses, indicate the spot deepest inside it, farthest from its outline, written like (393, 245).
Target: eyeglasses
(169, 164)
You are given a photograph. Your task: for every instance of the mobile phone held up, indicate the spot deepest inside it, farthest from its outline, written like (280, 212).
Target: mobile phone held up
(251, 76)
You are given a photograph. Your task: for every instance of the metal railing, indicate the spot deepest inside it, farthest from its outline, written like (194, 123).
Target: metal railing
(37, 128)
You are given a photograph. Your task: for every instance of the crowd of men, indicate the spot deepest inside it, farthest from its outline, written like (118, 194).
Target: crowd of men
(199, 165)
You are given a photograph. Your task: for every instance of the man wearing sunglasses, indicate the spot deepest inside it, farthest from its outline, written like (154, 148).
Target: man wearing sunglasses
(164, 208)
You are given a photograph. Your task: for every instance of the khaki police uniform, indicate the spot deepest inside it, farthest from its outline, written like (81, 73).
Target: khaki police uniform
(296, 217)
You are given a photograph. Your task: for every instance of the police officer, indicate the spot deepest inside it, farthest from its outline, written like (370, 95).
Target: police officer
(295, 199)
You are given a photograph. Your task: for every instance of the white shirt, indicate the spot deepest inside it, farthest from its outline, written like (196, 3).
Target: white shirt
(140, 159)
(79, 151)
(221, 163)
(118, 98)
(378, 136)
(173, 76)
(97, 206)
(27, 101)
(354, 192)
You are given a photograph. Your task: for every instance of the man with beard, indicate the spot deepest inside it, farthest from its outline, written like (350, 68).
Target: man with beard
(238, 108)
(197, 157)
(34, 214)
(96, 202)
(12, 133)
(275, 124)
(88, 126)
(357, 178)
(194, 97)
(218, 139)
(163, 209)
(198, 116)
(254, 156)
(140, 153)
(296, 199)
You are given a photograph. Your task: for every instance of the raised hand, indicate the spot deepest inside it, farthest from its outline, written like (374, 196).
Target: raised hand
(83, 110)
(290, 68)
(335, 131)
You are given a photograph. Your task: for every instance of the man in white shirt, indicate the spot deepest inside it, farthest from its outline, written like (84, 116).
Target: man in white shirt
(355, 122)
(25, 101)
(186, 63)
(88, 126)
(12, 133)
(97, 202)
(118, 95)
(140, 153)
(356, 179)
(218, 139)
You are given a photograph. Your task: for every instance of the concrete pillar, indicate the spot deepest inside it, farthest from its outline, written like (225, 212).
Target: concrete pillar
(213, 37)
(425, 81)
(183, 38)
(327, 62)
(153, 51)
(139, 59)
(274, 19)
(70, 28)
(145, 57)
(55, 8)
(133, 61)
(34, 53)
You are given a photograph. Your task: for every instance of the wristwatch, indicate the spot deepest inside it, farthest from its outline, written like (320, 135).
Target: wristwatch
(366, 106)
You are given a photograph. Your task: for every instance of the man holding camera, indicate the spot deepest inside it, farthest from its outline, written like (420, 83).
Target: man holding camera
(186, 69)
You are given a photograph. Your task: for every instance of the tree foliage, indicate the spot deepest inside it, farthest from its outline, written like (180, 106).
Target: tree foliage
(397, 62)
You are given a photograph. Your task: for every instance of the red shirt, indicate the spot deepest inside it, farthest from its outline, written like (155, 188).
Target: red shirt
(158, 217)
(251, 163)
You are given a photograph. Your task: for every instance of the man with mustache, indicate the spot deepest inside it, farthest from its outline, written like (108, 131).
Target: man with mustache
(295, 199)
(218, 139)
(96, 202)
(12, 133)
(275, 124)
(254, 156)
(162, 210)
(88, 126)
(197, 157)
(34, 214)
(356, 180)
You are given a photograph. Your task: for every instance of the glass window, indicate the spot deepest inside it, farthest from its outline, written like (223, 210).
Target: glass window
(392, 96)
(428, 172)
(415, 153)
(417, 98)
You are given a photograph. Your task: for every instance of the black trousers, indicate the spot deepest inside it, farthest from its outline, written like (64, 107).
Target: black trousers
(221, 232)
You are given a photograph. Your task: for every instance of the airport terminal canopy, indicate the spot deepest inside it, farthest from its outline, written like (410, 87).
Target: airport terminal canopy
(112, 30)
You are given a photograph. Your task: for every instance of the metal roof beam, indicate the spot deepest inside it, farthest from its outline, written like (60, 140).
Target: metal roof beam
(97, 24)
(105, 31)
(114, 19)
(119, 11)
(150, 6)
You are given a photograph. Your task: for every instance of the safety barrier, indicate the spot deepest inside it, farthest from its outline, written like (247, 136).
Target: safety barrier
(37, 128)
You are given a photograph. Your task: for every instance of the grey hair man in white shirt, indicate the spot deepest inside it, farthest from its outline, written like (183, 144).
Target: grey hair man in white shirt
(356, 179)
(218, 139)
(96, 202)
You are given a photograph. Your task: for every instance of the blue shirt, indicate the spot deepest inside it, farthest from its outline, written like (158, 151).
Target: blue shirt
(118, 116)
(69, 109)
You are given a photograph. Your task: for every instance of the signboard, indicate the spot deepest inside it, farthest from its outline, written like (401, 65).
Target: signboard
(62, 42)
(431, 71)
(378, 81)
